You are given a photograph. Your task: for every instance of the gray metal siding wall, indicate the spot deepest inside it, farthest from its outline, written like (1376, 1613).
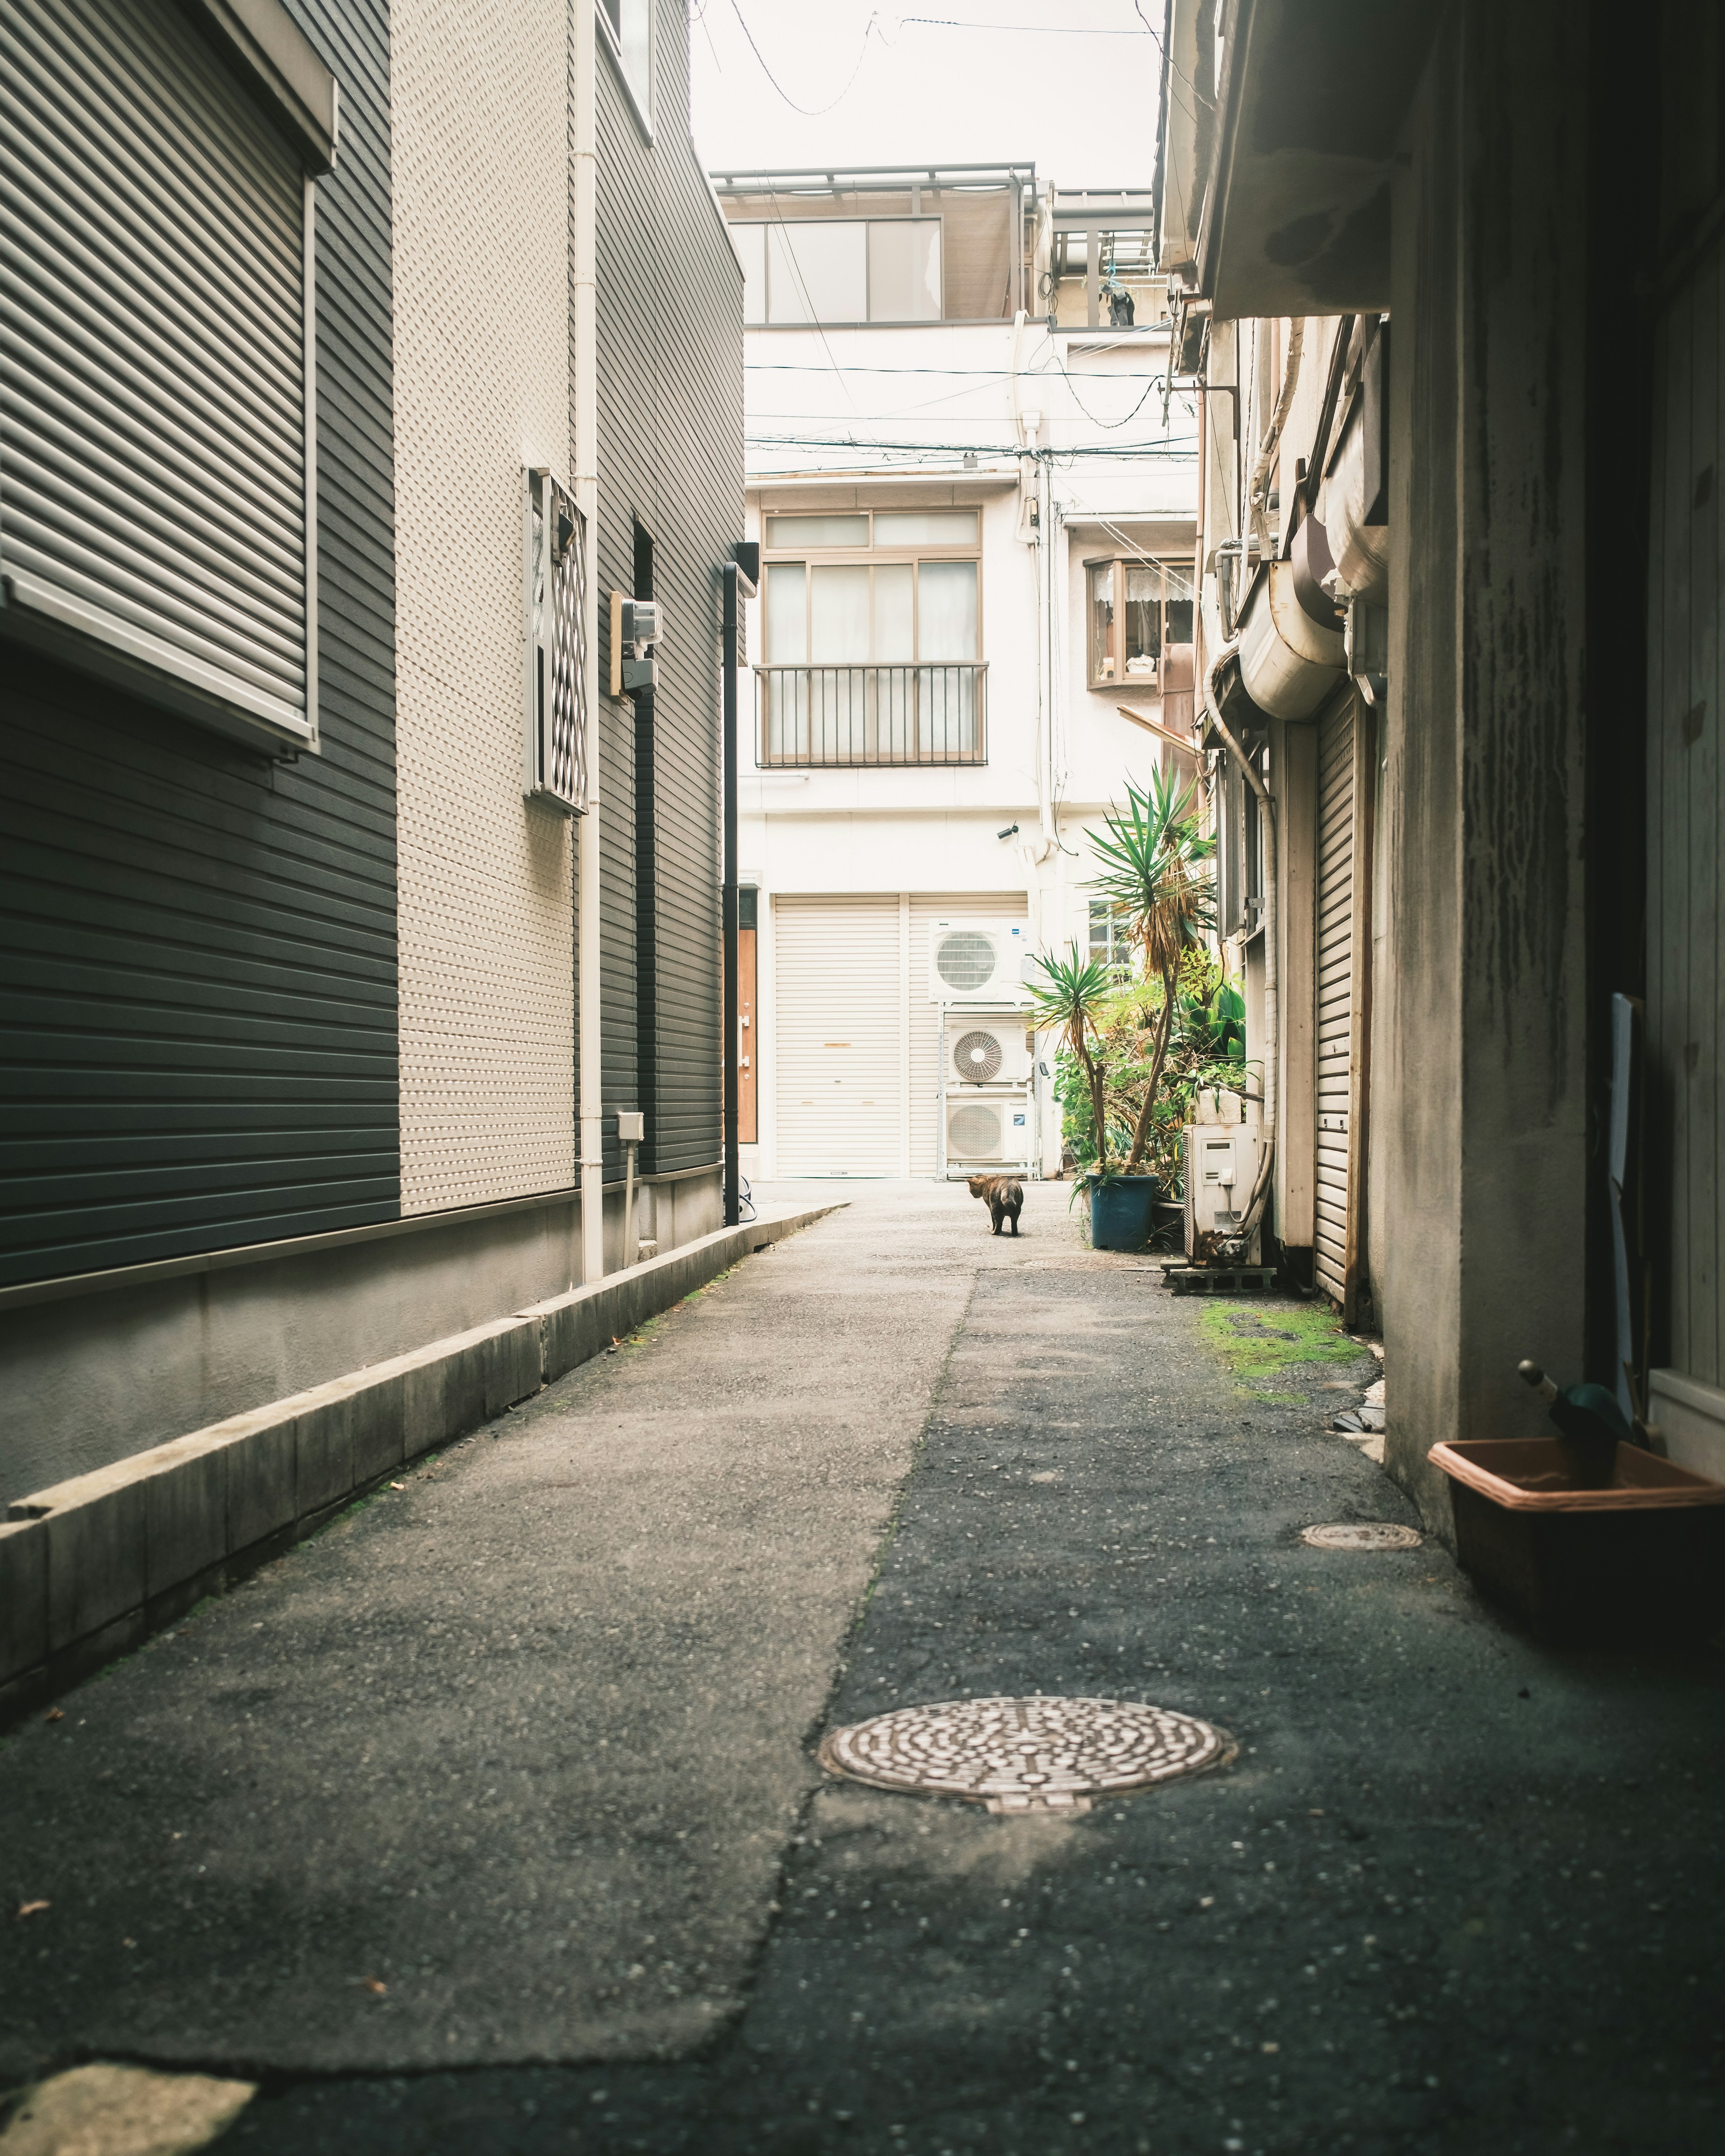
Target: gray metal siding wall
(198, 951)
(670, 452)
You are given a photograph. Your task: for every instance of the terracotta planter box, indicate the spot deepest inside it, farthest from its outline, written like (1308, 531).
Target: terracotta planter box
(1610, 1567)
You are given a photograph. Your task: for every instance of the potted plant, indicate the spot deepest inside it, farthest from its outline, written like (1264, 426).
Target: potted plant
(1134, 1049)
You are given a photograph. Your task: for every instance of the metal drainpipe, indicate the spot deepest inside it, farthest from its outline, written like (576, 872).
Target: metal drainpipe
(728, 916)
(1272, 971)
(590, 1079)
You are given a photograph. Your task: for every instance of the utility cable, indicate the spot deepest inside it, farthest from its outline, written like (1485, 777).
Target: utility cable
(808, 112)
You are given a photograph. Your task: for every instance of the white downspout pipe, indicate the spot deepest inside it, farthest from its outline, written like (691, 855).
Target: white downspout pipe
(583, 59)
(1272, 969)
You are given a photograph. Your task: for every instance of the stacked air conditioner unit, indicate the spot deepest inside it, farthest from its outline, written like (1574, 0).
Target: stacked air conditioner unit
(977, 973)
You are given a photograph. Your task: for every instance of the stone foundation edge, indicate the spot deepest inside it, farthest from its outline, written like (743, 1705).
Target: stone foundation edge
(91, 1566)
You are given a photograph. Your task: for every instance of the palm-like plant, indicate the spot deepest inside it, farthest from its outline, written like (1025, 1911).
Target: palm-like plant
(1155, 869)
(1075, 992)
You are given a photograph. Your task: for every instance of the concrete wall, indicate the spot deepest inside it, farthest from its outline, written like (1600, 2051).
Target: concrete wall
(91, 1564)
(478, 99)
(112, 1367)
(1480, 1124)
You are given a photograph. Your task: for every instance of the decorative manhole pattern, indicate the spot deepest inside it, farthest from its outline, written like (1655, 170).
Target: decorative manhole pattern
(1362, 1535)
(1024, 1755)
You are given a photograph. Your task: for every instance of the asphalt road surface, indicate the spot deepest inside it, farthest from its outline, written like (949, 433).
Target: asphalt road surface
(492, 1820)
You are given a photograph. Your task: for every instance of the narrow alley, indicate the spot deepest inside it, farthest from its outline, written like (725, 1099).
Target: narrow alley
(490, 1818)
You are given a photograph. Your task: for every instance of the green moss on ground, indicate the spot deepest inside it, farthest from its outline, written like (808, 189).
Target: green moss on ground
(1256, 1343)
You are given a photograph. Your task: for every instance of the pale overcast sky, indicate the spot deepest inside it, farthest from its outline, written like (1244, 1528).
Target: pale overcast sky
(1082, 104)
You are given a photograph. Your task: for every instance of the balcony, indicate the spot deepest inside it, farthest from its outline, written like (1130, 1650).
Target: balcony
(847, 717)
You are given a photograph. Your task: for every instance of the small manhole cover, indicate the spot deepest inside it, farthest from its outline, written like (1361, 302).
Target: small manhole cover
(1362, 1535)
(1024, 1755)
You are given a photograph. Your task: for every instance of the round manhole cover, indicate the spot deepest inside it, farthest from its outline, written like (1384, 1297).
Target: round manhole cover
(1022, 1755)
(1362, 1535)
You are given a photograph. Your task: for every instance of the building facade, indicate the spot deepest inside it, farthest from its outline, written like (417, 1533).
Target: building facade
(341, 391)
(1455, 667)
(974, 503)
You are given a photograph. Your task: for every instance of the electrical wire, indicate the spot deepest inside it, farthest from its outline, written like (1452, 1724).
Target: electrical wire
(808, 111)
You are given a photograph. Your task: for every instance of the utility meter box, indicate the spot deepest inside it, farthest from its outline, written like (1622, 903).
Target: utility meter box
(1222, 1165)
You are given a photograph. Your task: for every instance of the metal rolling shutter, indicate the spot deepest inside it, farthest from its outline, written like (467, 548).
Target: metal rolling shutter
(153, 463)
(925, 1014)
(1335, 995)
(836, 1035)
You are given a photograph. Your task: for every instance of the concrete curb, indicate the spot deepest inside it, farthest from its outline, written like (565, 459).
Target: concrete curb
(91, 1566)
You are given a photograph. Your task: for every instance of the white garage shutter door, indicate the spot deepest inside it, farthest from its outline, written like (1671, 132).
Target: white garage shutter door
(925, 909)
(836, 1035)
(1335, 995)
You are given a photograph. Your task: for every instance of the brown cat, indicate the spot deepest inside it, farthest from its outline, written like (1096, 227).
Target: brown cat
(1003, 1195)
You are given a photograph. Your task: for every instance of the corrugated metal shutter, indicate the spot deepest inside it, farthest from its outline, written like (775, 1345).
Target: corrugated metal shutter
(153, 469)
(925, 908)
(1335, 993)
(836, 1035)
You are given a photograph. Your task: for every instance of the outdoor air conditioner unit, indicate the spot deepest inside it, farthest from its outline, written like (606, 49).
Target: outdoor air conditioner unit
(1222, 1162)
(988, 1049)
(988, 1130)
(980, 962)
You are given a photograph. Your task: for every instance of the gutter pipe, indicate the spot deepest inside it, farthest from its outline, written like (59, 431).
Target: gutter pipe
(590, 1070)
(1272, 971)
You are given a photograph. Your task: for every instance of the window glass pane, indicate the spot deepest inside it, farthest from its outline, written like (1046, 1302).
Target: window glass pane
(895, 621)
(817, 272)
(1143, 623)
(1178, 621)
(919, 527)
(1102, 663)
(905, 270)
(816, 532)
(751, 246)
(787, 614)
(946, 614)
(839, 615)
(631, 23)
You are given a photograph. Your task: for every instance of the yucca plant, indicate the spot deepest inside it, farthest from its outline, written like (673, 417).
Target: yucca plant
(1155, 868)
(1070, 1002)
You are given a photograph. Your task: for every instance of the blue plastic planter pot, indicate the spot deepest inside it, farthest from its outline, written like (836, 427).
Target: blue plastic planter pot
(1120, 1213)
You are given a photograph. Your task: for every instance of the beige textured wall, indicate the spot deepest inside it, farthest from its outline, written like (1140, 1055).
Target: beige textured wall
(478, 103)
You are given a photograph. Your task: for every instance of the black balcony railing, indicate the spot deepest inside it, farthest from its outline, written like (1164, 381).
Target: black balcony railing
(838, 715)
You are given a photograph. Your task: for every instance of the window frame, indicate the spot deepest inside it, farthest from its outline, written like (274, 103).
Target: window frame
(1121, 682)
(612, 40)
(866, 321)
(869, 558)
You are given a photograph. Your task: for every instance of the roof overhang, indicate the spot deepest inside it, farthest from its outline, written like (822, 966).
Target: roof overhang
(1311, 102)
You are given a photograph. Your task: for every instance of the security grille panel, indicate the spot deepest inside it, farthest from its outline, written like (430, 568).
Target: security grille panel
(978, 961)
(1334, 1197)
(155, 463)
(557, 645)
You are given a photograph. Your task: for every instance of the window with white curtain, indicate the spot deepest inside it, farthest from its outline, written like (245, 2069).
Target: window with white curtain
(841, 270)
(879, 613)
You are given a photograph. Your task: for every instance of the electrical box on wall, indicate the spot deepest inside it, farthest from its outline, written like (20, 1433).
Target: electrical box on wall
(637, 630)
